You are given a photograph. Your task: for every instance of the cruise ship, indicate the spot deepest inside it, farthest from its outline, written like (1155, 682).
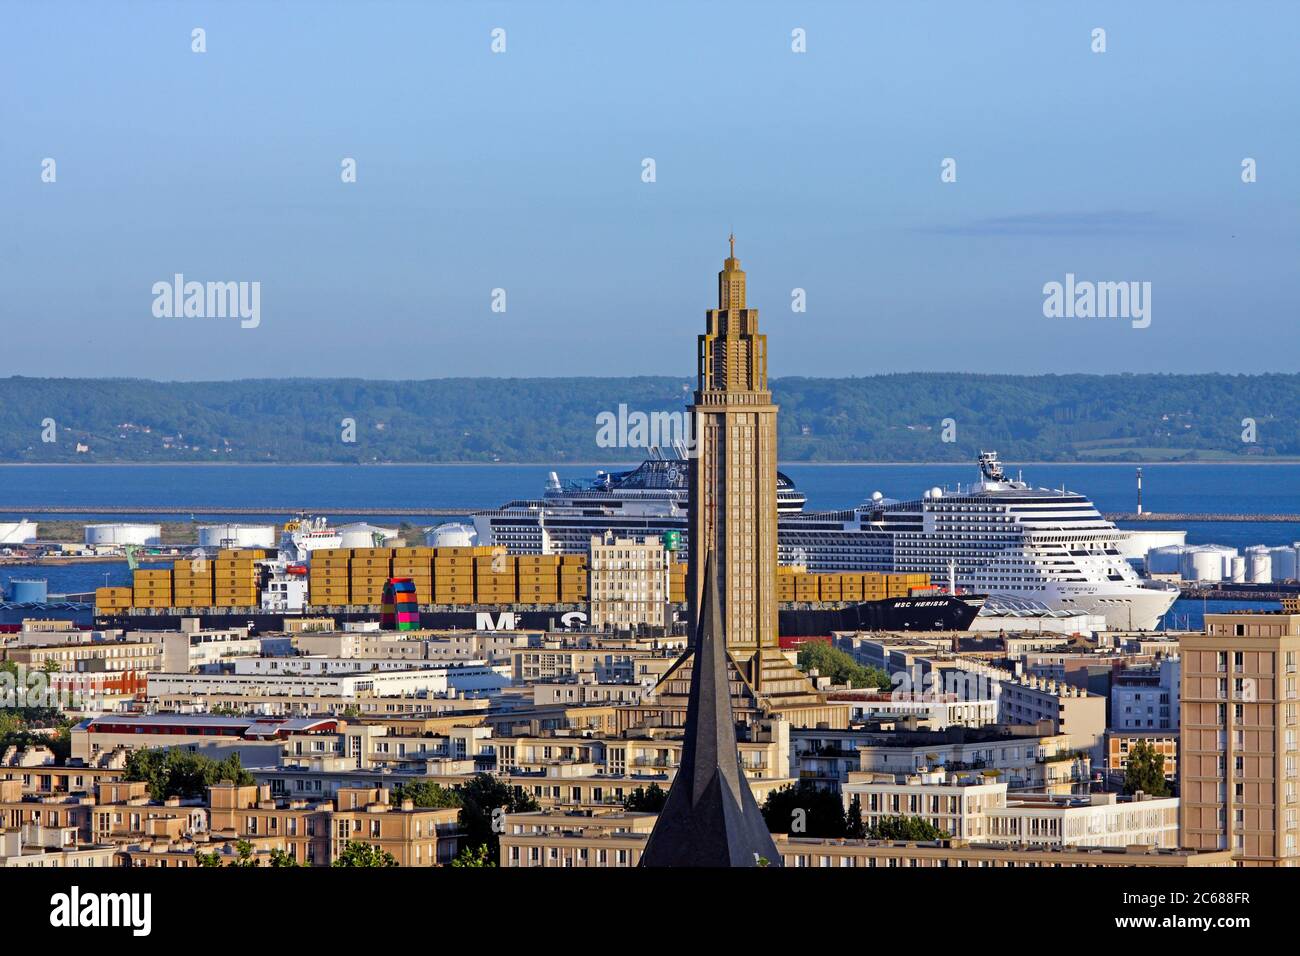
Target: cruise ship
(997, 537)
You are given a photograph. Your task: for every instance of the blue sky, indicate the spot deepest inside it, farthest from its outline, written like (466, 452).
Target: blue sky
(523, 171)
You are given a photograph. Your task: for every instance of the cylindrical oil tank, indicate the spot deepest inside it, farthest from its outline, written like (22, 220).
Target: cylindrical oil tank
(451, 535)
(1259, 566)
(362, 535)
(1166, 559)
(17, 532)
(29, 591)
(1202, 566)
(237, 536)
(1284, 562)
(1239, 570)
(123, 534)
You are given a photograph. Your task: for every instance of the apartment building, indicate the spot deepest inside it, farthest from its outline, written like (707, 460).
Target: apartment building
(808, 852)
(589, 847)
(1070, 710)
(1025, 758)
(937, 710)
(1146, 697)
(317, 833)
(416, 645)
(50, 847)
(629, 583)
(259, 741)
(1120, 743)
(977, 808)
(1239, 754)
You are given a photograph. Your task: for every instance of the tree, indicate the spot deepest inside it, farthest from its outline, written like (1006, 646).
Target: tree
(853, 825)
(646, 800)
(426, 794)
(840, 667)
(171, 772)
(911, 829)
(364, 854)
(281, 859)
(1145, 771)
(208, 859)
(477, 856)
(244, 855)
(804, 810)
(486, 801)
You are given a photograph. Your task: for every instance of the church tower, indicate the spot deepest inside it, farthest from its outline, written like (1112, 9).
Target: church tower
(733, 471)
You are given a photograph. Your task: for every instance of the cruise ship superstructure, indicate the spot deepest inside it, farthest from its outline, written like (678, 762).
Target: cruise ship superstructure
(999, 536)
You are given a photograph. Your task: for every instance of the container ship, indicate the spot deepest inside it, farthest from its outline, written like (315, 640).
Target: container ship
(1003, 538)
(475, 587)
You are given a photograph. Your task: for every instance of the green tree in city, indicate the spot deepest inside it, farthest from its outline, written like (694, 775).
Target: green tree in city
(1145, 771)
(853, 825)
(803, 809)
(244, 855)
(426, 794)
(208, 859)
(905, 828)
(171, 772)
(486, 802)
(840, 667)
(281, 859)
(477, 856)
(649, 799)
(364, 854)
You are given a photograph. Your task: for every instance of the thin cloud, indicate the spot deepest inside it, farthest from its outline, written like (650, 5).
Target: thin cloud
(1063, 224)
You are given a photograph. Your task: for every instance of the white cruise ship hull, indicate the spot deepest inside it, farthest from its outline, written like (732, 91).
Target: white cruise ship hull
(1127, 609)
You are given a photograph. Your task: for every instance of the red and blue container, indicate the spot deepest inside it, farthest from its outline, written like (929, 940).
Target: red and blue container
(401, 607)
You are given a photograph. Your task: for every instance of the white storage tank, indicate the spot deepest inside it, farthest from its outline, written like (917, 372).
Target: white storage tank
(17, 532)
(123, 534)
(1167, 559)
(1259, 566)
(1207, 562)
(237, 536)
(362, 535)
(1239, 570)
(1138, 544)
(1284, 562)
(451, 535)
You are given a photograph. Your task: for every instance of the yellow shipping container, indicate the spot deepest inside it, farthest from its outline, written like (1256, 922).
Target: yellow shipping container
(413, 552)
(318, 562)
(542, 581)
(458, 580)
(331, 577)
(331, 553)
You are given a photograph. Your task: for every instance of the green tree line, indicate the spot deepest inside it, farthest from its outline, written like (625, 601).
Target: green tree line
(924, 417)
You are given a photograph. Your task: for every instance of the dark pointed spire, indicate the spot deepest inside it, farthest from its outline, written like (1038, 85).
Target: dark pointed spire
(710, 817)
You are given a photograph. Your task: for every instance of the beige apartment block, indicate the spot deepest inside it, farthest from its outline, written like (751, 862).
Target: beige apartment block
(317, 833)
(1239, 754)
(628, 582)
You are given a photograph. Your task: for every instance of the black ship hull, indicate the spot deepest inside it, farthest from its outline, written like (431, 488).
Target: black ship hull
(940, 613)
